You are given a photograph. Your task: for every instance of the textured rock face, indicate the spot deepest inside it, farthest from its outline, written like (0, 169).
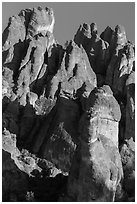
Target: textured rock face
(128, 161)
(41, 21)
(62, 143)
(105, 112)
(99, 168)
(67, 112)
(130, 107)
(128, 148)
(95, 47)
(121, 63)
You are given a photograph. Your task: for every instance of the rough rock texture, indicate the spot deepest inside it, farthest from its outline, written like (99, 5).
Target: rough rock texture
(67, 112)
(95, 47)
(97, 168)
(105, 111)
(128, 148)
(128, 161)
(121, 63)
(130, 107)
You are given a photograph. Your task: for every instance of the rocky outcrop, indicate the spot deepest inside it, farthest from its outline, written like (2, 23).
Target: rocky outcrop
(24, 55)
(128, 148)
(130, 107)
(95, 47)
(60, 147)
(70, 85)
(21, 169)
(121, 62)
(128, 161)
(67, 112)
(105, 111)
(97, 168)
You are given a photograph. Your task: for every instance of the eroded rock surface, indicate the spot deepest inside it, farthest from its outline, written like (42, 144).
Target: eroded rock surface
(97, 168)
(67, 111)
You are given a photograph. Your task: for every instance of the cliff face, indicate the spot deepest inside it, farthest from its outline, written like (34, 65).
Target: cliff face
(68, 112)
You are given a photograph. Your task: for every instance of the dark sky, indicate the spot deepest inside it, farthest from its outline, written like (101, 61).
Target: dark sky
(69, 15)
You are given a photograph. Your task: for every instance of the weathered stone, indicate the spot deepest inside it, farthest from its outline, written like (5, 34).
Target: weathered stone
(14, 181)
(32, 65)
(128, 161)
(10, 117)
(46, 89)
(95, 47)
(120, 66)
(13, 33)
(105, 111)
(24, 162)
(75, 78)
(41, 21)
(61, 145)
(128, 147)
(120, 35)
(97, 169)
(130, 107)
(107, 34)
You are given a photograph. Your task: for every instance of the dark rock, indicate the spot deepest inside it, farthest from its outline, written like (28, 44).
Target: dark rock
(24, 162)
(128, 161)
(14, 181)
(11, 116)
(100, 80)
(61, 145)
(95, 47)
(130, 107)
(107, 34)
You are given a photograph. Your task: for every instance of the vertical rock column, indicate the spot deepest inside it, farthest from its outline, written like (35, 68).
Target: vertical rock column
(97, 170)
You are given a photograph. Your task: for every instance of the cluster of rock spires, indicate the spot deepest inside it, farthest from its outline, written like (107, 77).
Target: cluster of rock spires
(68, 112)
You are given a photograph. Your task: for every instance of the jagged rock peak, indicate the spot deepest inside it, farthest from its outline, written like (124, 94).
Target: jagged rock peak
(120, 35)
(107, 34)
(93, 28)
(41, 21)
(87, 30)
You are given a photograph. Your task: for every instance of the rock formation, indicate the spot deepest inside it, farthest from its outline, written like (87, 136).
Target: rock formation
(99, 168)
(68, 112)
